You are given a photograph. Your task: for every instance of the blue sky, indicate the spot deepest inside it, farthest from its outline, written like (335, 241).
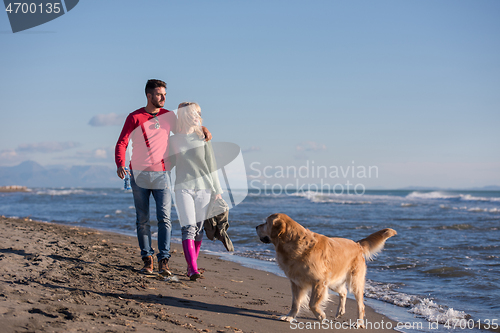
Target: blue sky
(411, 87)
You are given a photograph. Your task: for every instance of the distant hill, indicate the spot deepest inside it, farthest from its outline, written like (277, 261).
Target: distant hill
(491, 188)
(32, 174)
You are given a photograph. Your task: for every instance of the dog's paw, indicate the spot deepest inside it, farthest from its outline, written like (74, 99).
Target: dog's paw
(321, 317)
(339, 314)
(287, 318)
(360, 324)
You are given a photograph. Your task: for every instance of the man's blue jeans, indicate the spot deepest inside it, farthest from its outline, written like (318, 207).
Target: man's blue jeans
(163, 200)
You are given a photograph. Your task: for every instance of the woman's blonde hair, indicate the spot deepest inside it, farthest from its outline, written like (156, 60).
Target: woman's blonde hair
(187, 114)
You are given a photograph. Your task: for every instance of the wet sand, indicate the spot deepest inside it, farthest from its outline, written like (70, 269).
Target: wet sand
(57, 278)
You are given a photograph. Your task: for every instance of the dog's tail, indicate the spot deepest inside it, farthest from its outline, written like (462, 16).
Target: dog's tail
(374, 243)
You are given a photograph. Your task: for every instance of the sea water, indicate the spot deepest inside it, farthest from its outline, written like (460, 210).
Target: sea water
(442, 267)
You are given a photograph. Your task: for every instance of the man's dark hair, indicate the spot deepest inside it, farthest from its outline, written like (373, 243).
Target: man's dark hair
(153, 84)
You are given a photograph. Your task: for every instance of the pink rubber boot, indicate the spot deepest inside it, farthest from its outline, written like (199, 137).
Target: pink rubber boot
(197, 246)
(190, 255)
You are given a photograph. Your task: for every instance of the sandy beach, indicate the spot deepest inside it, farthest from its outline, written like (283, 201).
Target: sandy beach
(56, 278)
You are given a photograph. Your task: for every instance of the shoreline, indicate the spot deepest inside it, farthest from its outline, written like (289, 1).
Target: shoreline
(58, 278)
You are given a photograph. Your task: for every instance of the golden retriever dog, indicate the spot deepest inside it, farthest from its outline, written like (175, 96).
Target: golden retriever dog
(315, 263)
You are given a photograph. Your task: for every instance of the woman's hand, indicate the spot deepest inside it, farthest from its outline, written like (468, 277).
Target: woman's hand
(218, 196)
(208, 135)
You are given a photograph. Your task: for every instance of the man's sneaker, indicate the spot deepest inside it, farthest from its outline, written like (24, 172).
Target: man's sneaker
(148, 265)
(163, 267)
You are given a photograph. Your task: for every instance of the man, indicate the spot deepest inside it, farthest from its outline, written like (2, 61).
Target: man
(148, 128)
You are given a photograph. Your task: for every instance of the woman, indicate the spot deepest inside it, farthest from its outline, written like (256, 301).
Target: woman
(196, 180)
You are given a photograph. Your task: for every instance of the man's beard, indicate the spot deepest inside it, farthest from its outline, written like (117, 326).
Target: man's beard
(157, 105)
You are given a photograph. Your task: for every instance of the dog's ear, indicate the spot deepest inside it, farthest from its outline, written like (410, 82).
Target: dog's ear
(278, 227)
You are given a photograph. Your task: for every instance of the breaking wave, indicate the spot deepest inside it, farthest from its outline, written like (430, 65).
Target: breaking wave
(421, 306)
(448, 196)
(62, 192)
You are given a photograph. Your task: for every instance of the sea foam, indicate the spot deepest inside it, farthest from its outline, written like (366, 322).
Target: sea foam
(421, 306)
(62, 192)
(447, 196)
